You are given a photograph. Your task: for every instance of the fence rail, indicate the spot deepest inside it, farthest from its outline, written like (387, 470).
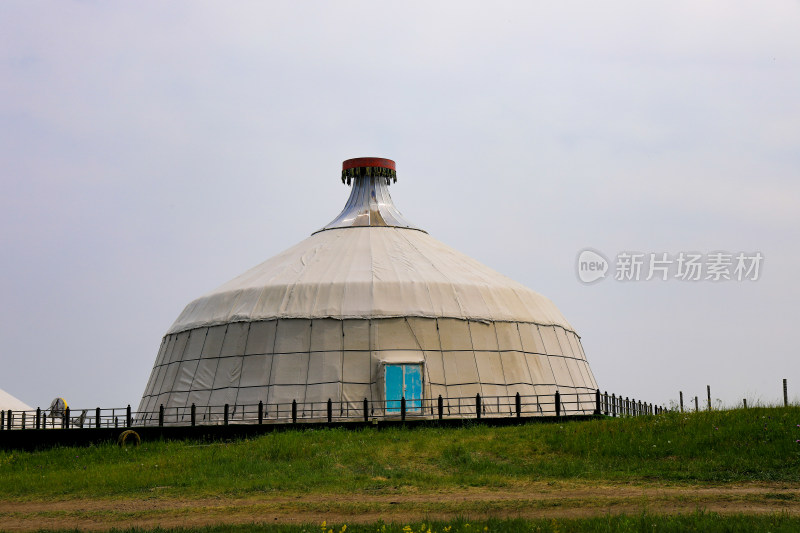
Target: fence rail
(472, 407)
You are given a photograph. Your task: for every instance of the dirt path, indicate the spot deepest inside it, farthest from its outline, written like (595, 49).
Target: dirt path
(537, 500)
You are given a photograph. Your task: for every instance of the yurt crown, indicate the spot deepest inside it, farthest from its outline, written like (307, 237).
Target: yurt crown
(368, 167)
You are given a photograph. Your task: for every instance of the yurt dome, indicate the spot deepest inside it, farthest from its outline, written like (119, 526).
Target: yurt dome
(9, 402)
(368, 307)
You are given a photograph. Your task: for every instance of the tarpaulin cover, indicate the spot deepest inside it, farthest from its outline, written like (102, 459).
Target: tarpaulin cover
(370, 272)
(10, 402)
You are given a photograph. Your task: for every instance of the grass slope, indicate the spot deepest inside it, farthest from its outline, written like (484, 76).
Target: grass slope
(760, 444)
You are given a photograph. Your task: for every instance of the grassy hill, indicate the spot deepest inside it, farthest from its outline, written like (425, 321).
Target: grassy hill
(758, 444)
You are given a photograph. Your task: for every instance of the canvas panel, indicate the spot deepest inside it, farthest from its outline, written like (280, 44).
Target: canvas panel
(575, 372)
(177, 401)
(434, 367)
(194, 346)
(490, 367)
(220, 397)
(434, 391)
(531, 339)
(255, 370)
(550, 340)
(261, 337)
(199, 398)
(524, 390)
(165, 360)
(356, 392)
(560, 371)
(162, 350)
(181, 339)
(228, 373)
(587, 371)
(325, 367)
(252, 395)
(574, 345)
(186, 372)
(492, 393)
(357, 367)
(425, 333)
(320, 392)
(326, 335)
(540, 369)
(290, 369)
(235, 339)
(356, 334)
(508, 338)
(214, 339)
(206, 371)
(563, 342)
(162, 371)
(393, 334)
(515, 368)
(454, 334)
(459, 367)
(285, 394)
(484, 336)
(468, 393)
(292, 336)
(583, 371)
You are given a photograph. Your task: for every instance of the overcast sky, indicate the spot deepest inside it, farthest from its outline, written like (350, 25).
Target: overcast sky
(151, 151)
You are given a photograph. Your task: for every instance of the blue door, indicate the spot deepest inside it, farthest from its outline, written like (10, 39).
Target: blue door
(404, 380)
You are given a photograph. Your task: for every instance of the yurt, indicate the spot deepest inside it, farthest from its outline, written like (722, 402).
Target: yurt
(10, 403)
(370, 307)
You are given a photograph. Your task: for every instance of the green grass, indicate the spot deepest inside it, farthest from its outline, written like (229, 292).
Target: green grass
(759, 444)
(698, 521)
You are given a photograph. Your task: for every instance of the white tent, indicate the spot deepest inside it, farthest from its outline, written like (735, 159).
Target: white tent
(8, 402)
(365, 307)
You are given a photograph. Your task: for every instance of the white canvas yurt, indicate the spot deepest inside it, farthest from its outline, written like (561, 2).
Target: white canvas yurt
(370, 306)
(10, 403)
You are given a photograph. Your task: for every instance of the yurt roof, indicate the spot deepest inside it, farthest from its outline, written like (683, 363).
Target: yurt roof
(370, 272)
(10, 402)
(370, 262)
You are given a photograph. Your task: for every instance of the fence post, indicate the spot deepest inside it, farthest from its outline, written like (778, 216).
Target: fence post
(597, 402)
(708, 389)
(128, 419)
(518, 404)
(785, 394)
(366, 410)
(744, 402)
(66, 418)
(161, 415)
(478, 405)
(330, 410)
(194, 413)
(440, 406)
(403, 408)
(558, 403)
(2, 420)
(97, 417)
(23, 419)
(38, 418)
(696, 404)
(613, 404)
(260, 412)
(681, 393)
